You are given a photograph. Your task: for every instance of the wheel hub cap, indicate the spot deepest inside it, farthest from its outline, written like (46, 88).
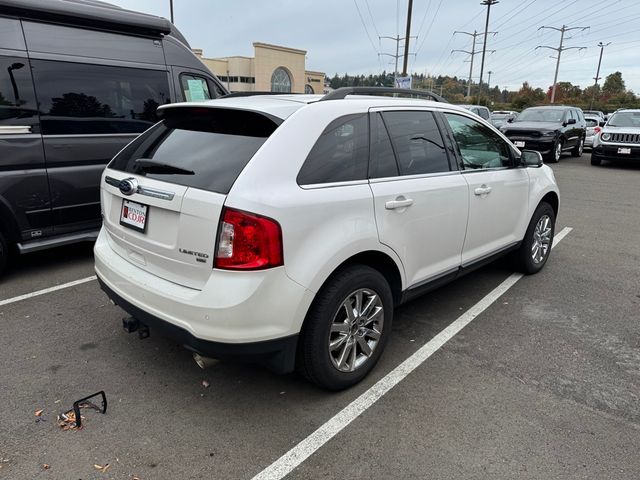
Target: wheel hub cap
(355, 330)
(541, 240)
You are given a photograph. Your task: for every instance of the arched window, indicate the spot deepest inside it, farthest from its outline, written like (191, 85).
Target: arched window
(308, 89)
(280, 81)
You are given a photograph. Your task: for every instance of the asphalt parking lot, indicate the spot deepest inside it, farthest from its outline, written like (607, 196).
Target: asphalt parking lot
(543, 384)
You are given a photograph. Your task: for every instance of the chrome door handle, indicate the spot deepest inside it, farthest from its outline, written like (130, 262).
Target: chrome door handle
(14, 129)
(482, 190)
(393, 204)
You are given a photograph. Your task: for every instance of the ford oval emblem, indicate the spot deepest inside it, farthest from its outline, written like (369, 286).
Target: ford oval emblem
(128, 186)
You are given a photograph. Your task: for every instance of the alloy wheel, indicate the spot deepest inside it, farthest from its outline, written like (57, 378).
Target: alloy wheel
(356, 329)
(558, 151)
(541, 240)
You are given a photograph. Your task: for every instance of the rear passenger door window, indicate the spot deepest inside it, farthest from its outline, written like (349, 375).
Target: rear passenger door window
(77, 98)
(417, 142)
(479, 146)
(341, 154)
(194, 88)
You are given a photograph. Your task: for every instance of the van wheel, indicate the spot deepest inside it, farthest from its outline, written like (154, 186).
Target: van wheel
(4, 253)
(346, 328)
(536, 245)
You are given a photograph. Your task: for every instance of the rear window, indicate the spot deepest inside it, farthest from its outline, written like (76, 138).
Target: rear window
(591, 122)
(202, 148)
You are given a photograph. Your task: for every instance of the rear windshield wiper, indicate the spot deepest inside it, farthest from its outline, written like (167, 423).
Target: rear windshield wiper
(149, 166)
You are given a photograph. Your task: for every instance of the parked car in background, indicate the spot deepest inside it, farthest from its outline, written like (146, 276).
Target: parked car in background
(482, 112)
(78, 81)
(619, 140)
(500, 117)
(594, 113)
(593, 128)
(301, 262)
(550, 130)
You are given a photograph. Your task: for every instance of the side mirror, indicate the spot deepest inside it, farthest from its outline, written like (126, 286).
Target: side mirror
(571, 121)
(602, 124)
(531, 158)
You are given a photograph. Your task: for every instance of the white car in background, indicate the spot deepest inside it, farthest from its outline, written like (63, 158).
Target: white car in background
(594, 127)
(286, 228)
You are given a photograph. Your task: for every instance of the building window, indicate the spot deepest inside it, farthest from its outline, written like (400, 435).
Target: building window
(308, 89)
(280, 81)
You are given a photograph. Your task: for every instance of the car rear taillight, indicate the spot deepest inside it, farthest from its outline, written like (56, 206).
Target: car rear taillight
(596, 130)
(247, 241)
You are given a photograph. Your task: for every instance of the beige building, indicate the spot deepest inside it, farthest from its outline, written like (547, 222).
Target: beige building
(272, 69)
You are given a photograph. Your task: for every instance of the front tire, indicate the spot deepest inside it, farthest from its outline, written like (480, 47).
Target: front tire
(534, 252)
(578, 149)
(346, 329)
(556, 151)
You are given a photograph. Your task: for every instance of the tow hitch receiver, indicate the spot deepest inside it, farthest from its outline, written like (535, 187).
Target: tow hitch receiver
(131, 325)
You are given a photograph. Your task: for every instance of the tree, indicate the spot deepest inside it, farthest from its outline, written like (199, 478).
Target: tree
(614, 84)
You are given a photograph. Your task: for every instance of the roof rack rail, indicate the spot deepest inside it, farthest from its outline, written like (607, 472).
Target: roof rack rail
(255, 93)
(341, 93)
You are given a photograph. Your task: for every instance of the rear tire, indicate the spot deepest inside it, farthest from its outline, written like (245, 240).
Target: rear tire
(4, 253)
(342, 340)
(535, 249)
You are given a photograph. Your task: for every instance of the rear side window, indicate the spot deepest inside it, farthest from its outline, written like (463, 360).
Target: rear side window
(17, 100)
(417, 142)
(202, 148)
(383, 160)
(484, 113)
(194, 89)
(77, 98)
(341, 154)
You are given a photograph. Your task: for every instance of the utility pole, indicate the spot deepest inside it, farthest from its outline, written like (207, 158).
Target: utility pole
(597, 77)
(472, 53)
(407, 36)
(171, 8)
(489, 80)
(560, 49)
(398, 39)
(488, 3)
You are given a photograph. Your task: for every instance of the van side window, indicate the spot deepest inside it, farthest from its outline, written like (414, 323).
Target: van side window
(77, 98)
(17, 100)
(194, 89)
(341, 153)
(417, 142)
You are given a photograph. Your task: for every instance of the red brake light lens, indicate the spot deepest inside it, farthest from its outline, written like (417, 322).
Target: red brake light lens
(247, 241)
(597, 130)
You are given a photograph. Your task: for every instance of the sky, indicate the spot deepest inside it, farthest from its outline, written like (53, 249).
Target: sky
(342, 36)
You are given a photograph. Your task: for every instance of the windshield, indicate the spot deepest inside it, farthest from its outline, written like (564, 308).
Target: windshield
(541, 115)
(625, 119)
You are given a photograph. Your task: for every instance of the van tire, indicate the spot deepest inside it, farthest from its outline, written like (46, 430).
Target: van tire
(4, 253)
(316, 360)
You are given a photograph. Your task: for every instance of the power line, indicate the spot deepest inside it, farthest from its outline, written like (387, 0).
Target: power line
(365, 27)
(560, 49)
(426, 34)
(471, 53)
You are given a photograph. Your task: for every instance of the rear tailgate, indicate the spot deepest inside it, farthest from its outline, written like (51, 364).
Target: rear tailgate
(163, 194)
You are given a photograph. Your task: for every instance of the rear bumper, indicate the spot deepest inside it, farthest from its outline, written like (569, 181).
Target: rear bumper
(610, 153)
(279, 354)
(236, 314)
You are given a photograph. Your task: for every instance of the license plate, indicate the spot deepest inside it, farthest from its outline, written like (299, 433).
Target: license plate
(518, 144)
(134, 215)
(624, 151)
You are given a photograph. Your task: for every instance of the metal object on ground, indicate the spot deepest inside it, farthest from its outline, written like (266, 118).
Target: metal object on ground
(77, 403)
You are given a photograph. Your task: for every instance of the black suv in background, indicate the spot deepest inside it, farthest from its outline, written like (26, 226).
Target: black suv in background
(550, 130)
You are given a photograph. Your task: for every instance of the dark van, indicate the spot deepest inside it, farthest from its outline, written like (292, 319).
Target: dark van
(79, 79)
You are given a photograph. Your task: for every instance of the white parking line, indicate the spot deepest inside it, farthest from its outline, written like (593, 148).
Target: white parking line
(303, 450)
(46, 290)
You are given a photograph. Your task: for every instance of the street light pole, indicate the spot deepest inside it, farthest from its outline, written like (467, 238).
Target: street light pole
(171, 8)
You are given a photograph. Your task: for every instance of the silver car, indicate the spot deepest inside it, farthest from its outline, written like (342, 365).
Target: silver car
(593, 129)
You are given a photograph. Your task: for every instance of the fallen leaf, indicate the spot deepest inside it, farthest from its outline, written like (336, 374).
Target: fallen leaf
(39, 412)
(205, 384)
(46, 466)
(101, 468)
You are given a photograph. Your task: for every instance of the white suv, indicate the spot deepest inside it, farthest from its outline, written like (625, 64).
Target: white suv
(286, 228)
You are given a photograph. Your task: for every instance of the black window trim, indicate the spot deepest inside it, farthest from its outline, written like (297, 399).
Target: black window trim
(456, 150)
